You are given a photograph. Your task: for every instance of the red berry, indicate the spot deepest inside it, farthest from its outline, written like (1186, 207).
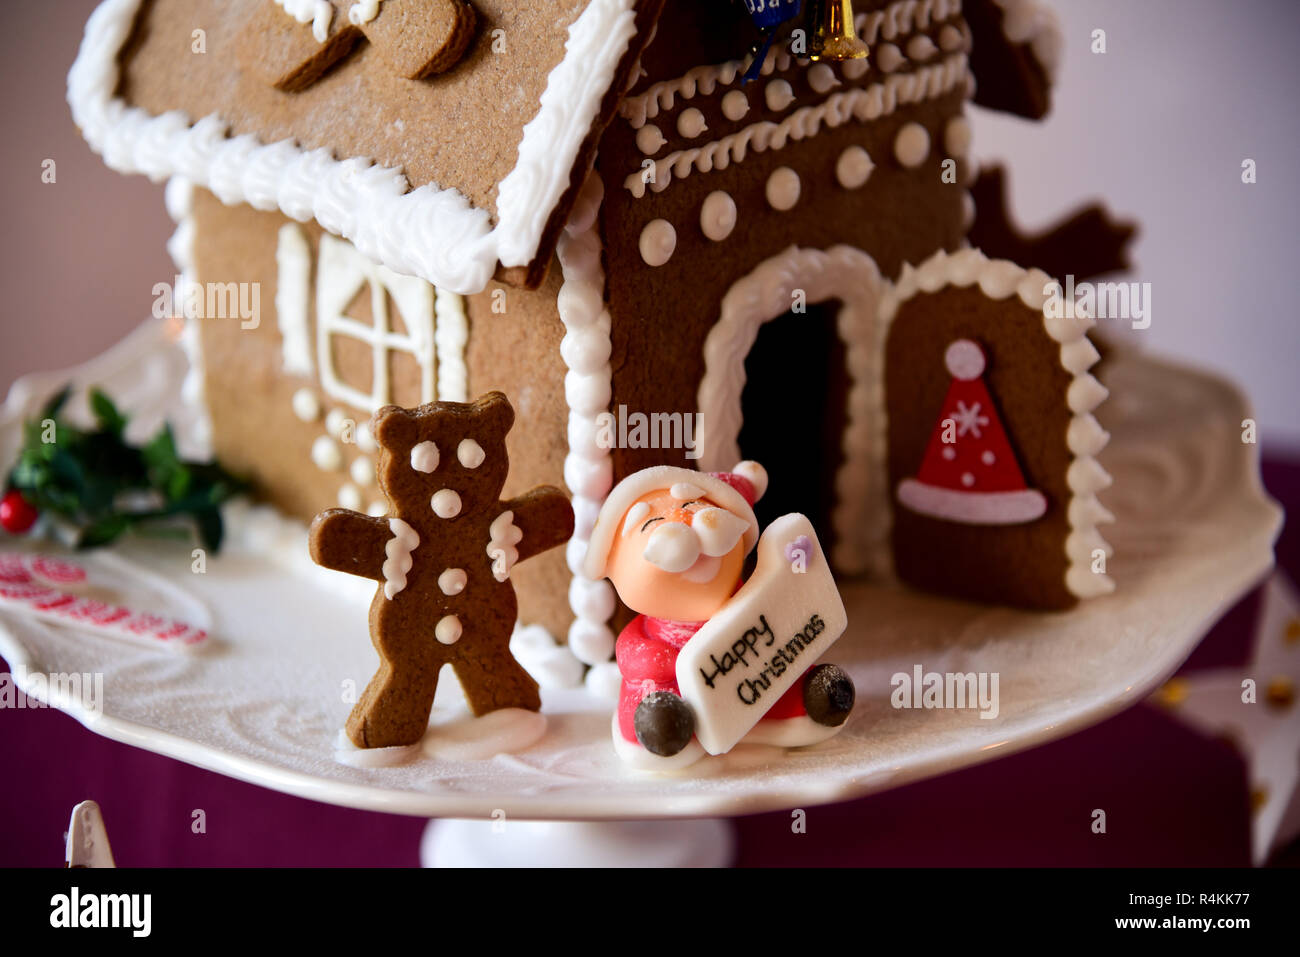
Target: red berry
(15, 514)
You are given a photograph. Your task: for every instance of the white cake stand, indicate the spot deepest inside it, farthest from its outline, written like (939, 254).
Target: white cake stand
(264, 703)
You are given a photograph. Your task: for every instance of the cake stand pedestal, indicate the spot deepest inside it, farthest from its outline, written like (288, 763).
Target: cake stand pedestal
(461, 842)
(265, 700)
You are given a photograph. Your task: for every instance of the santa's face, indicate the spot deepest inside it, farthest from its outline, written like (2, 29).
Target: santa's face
(677, 559)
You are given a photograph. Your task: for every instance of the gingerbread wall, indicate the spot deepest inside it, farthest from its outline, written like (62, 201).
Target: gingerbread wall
(662, 314)
(258, 431)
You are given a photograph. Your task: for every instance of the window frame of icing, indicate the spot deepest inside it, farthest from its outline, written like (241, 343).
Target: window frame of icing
(849, 275)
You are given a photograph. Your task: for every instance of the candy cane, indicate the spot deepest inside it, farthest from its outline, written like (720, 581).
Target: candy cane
(29, 584)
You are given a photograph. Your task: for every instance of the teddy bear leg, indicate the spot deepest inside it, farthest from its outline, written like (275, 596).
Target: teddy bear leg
(492, 680)
(394, 710)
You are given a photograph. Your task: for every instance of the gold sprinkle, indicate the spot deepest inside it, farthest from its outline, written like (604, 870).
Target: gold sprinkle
(1172, 693)
(1280, 693)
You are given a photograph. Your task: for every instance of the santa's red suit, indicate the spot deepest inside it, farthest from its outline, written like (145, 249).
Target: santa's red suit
(647, 653)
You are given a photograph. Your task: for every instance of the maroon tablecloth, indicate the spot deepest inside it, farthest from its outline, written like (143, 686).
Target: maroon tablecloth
(1171, 796)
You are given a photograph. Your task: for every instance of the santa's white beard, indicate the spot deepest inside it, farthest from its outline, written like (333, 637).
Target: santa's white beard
(695, 550)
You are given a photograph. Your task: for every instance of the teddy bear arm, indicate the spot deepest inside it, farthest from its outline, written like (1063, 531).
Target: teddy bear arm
(545, 517)
(348, 541)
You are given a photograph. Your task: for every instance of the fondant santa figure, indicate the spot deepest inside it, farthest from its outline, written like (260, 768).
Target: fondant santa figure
(673, 542)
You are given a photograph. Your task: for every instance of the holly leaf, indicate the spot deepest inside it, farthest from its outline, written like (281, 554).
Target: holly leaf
(106, 413)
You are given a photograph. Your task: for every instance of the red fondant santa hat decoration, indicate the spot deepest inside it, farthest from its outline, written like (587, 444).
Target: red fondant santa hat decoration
(736, 491)
(969, 473)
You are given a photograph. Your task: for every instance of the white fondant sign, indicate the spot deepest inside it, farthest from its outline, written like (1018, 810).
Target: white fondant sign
(763, 640)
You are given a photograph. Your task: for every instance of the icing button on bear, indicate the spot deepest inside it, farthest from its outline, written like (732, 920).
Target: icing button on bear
(439, 601)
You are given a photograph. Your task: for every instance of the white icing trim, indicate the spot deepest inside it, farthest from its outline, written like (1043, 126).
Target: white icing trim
(999, 279)
(179, 199)
(503, 536)
(363, 11)
(863, 104)
(588, 468)
(973, 508)
(899, 18)
(429, 232)
(570, 103)
(851, 276)
(293, 280)
(398, 560)
(319, 13)
(450, 334)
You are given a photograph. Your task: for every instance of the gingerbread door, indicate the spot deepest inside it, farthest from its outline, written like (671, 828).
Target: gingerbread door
(991, 440)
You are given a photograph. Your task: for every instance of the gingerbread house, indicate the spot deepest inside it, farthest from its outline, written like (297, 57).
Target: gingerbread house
(584, 204)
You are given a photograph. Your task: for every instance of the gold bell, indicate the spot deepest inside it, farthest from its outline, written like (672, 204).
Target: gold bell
(833, 35)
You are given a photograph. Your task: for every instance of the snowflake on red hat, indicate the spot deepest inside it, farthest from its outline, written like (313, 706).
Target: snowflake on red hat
(970, 473)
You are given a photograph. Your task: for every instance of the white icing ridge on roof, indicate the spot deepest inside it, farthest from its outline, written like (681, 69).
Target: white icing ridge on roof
(430, 232)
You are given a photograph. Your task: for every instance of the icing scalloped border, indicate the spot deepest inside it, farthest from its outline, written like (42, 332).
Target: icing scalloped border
(429, 232)
(900, 17)
(842, 273)
(588, 387)
(1031, 23)
(864, 104)
(1000, 279)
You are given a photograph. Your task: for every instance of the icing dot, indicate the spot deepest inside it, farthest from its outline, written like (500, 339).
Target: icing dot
(855, 69)
(783, 188)
(365, 441)
(305, 405)
(453, 581)
(912, 145)
(658, 240)
(949, 453)
(326, 454)
(735, 105)
(950, 38)
(718, 215)
(964, 359)
(424, 457)
(889, 57)
(988, 458)
(350, 496)
(967, 479)
(336, 420)
(956, 136)
(649, 139)
(778, 95)
(691, 123)
(470, 454)
(362, 471)
(447, 630)
(853, 167)
(822, 78)
(377, 509)
(446, 503)
(967, 210)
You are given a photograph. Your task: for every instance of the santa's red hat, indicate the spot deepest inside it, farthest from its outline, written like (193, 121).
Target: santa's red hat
(736, 491)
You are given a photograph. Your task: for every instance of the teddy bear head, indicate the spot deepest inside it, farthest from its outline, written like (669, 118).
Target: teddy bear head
(444, 460)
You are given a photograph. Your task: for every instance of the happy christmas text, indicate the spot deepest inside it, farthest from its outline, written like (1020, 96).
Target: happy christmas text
(751, 651)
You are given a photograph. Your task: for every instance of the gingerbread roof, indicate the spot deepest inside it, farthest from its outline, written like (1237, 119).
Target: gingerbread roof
(444, 176)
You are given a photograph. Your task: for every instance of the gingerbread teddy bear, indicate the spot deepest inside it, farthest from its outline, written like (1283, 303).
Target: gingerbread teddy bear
(442, 558)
